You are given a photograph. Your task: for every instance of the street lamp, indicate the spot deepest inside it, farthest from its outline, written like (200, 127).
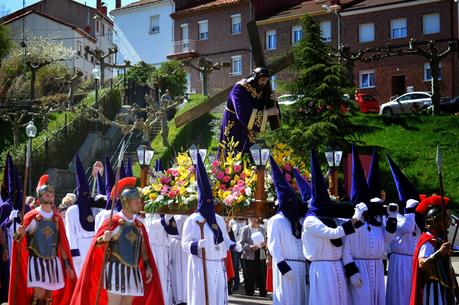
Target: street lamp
(145, 154)
(96, 76)
(194, 151)
(333, 159)
(260, 154)
(335, 8)
(31, 132)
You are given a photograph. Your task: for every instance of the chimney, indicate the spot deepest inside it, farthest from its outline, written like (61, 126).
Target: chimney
(98, 4)
(118, 4)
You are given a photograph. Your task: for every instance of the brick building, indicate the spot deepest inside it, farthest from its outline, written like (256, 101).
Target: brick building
(217, 30)
(375, 23)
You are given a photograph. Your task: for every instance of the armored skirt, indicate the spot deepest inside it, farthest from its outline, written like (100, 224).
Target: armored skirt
(122, 272)
(45, 269)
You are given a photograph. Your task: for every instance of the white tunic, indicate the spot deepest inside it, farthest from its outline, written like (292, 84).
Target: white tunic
(79, 238)
(401, 260)
(366, 248)
(328, 285)
(283, 246)
(178, 263)
(216, 267)
(159, 244)
(101, 217)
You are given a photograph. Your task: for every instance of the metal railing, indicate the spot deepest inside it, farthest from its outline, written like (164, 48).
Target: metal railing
(184, 46)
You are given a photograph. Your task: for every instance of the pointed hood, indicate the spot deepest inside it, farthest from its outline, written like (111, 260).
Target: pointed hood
(158, 165)
(286, 198)
(206, 201)
(8, 179)
(320, 200)
(374, 178)
(128, 171)
(359, 189)
(122, 171)
(109, 181)
(404, 188)
(101, 190)
(305, 192)
(83, 195)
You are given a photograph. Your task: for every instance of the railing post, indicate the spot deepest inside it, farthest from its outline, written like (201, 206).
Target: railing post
(46, 152)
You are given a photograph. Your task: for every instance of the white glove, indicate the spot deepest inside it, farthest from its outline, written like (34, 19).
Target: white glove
(356, 280)
(273, 111)
(394, 207)
(290, 275)
(202, 243)
(359, 209)
(238, 248)
(13, 215)
(411, 203)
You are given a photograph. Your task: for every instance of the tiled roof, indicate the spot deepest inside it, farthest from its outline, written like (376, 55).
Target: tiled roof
(135, 4)
(210, 5)
(375, 3)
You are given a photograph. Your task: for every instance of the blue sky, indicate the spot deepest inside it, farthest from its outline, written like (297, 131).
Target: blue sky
(9, 6)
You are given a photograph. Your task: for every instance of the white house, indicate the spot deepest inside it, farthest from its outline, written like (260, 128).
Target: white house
(38, 24)
(144, 31)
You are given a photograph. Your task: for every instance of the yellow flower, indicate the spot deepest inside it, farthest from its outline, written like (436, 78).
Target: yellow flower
(153, 196)
(226, 194)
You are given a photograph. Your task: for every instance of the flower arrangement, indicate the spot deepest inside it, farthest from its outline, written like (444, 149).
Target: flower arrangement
(286, 161)
(234, 181)
(175, 186)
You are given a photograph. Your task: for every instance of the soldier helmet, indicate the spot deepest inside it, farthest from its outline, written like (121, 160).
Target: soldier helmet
(43, 186)
(431, 207)
(125, 190)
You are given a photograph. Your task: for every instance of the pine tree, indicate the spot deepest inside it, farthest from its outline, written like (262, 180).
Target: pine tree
(322, 116)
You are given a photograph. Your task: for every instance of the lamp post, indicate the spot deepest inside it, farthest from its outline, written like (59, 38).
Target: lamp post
(194, 151)
(260, 155)
(96, 76)
(333, 159)
(335, 8)
(31, 132)
(145, 154)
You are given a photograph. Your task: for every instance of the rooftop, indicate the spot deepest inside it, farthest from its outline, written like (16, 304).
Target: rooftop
(135, 5)
(210, 5)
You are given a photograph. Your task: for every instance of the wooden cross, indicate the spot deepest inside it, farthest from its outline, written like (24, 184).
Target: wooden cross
(258, 56)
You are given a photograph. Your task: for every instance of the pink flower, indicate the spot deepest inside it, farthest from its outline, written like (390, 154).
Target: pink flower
(242, 176)
(215, 163)
(172, 194)
(237, 168)
(220, 175)
(228, 200)
(222, 187)
(241, 183)
(174, 172)
(165, 180)
(226, 179)
(287, 167)
(288, 177)
(228, 171)
(164, 190)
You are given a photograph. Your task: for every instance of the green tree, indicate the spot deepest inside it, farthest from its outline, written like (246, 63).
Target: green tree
(170, 75)
(5, 42)
(140, 73)
(322, 116)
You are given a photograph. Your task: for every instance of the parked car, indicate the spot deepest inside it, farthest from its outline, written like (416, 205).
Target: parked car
(447, 105)
(289, 99)
(407, 103)
(367, 103)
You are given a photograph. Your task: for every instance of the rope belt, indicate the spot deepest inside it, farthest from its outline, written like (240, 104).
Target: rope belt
(296, 260)
(404, 254)
(367, 259)
(213, 260)
(326, 260)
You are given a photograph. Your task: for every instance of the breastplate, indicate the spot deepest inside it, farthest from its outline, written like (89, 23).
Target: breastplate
(42, 241)
(125, 246)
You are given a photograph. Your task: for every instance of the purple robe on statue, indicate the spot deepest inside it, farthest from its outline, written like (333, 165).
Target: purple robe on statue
(245, 116)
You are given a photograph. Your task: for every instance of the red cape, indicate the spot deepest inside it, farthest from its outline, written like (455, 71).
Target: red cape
(86, 288)
(416, 286)
(229, 266)
(23, 294)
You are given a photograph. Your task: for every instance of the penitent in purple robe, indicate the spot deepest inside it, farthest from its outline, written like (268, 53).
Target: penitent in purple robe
(245, 116)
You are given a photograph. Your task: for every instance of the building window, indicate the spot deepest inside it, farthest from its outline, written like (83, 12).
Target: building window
(200, 76)
(79, 48)
(203, 30)
(431, 24)
(236, 24)
(103, 29)
(273, 80)
(367, 79)
(366, 32)
(97, 26)
(154, 24)
(398, 28)
(188, 82)
(428, 74)
(92, 59)
(297, 34)
(236, 65)
(325, 31)
(270, 40)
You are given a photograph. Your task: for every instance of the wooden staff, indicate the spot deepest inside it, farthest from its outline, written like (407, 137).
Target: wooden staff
(25, 184)
(101, 277)
(204, 266)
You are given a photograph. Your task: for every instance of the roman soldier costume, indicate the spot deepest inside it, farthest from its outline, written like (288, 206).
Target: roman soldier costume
(44, 256)
(128, 258)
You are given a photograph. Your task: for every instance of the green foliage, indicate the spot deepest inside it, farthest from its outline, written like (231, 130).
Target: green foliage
(51, 80)
(12, 68)
(5, 42)
(170, 75)
(322, 116)
(140, 73)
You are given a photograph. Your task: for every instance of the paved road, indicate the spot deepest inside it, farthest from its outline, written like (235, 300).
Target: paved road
(239, 298)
